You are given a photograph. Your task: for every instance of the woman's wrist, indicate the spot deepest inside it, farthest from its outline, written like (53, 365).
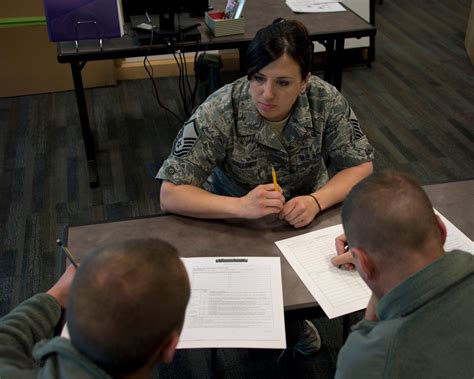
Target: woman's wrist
(318, 204)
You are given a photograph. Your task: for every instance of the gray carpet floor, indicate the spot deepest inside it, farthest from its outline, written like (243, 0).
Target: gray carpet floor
(415, 104)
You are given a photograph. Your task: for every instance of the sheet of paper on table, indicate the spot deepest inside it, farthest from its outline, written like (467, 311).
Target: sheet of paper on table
(314, 6)
(339, 291)
(235, 302)
(455, 238)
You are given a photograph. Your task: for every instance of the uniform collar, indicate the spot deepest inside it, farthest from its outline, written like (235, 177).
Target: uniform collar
(300, 119)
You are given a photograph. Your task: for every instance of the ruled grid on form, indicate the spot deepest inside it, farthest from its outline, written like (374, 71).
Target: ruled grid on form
(337, 291)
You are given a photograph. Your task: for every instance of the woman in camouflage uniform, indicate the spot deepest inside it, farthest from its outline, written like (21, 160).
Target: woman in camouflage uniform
(278, 116)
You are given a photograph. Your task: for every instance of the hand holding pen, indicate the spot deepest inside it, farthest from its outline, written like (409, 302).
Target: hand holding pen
(344, 257)
(67, 252)
(60, 289)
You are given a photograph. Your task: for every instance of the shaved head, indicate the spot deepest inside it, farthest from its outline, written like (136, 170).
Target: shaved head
(125, 301)
(390, 217)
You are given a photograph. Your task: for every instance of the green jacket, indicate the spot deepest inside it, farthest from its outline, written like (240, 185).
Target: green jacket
(425, 327)
(26, 352)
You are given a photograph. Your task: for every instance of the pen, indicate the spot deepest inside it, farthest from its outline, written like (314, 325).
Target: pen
(274, 176)
(67, 252)
(346, 249)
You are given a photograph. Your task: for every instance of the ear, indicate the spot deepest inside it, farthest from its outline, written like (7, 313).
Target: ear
(305, 83)
(442, 229)
(168, 349)
(364, 263)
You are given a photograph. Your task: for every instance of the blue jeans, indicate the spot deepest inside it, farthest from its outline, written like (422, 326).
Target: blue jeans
(220, 184)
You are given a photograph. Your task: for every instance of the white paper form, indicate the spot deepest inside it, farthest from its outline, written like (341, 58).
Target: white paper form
(455, 239)
(314, 6)
(340, 291)
(337, 291)
(235, 302)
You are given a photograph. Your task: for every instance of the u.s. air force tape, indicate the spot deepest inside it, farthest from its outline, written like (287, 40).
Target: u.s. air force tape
(185, 139)
(356, 129)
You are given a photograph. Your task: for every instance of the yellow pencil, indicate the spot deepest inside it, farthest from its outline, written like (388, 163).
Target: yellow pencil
(274, 176)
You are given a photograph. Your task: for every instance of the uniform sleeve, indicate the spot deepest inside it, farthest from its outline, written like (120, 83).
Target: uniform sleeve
(27, 324)
(344, 140)
(201, 143)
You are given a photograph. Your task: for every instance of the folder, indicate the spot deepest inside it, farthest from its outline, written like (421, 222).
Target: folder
(70, 20)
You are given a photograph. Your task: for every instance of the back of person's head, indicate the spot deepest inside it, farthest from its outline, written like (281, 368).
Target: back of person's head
(390, 216)
(126, 299)
(288, 37)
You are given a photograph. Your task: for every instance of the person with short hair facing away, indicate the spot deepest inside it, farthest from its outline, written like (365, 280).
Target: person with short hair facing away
(125, 311)
(419, 320)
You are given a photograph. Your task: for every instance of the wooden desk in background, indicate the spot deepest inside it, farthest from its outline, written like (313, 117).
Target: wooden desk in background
(330, 29)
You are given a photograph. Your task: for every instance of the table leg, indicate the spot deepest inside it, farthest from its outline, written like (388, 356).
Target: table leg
(214, 363)
(371, 52)
(345, 328)
(85, 126)
(243, 59)
(328, 67)
(338, 64)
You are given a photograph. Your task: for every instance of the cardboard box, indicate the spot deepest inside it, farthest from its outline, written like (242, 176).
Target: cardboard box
(221, 26)
(28, 62)
(29, 65)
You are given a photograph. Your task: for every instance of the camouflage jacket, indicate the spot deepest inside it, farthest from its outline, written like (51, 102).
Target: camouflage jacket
(226, 148)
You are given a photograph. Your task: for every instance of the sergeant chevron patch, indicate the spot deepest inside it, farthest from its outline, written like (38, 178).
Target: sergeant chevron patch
(185, 139)
(356, 129)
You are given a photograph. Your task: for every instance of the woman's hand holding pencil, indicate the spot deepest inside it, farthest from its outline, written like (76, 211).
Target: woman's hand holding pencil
(274, 177)
(263, 200)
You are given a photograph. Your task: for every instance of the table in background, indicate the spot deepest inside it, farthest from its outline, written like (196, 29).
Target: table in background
(331, 29)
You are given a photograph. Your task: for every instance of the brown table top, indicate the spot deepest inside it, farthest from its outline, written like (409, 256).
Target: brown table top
(257, 14)
(261, 13)
(195, 237)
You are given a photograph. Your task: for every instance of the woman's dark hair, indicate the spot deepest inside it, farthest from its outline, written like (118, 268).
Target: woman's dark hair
(282, 37)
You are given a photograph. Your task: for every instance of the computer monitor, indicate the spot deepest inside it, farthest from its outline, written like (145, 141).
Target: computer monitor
(172, 14)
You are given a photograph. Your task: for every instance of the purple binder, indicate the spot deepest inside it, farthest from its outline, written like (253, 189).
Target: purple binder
(70, 20)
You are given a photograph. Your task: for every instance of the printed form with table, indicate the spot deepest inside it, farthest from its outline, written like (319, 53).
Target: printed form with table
(238, 302)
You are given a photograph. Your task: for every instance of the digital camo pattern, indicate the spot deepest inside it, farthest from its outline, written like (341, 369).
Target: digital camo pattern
(185, 139)
(232, 148)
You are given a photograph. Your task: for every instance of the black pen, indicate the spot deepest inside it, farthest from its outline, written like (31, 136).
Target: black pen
(67, 252)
